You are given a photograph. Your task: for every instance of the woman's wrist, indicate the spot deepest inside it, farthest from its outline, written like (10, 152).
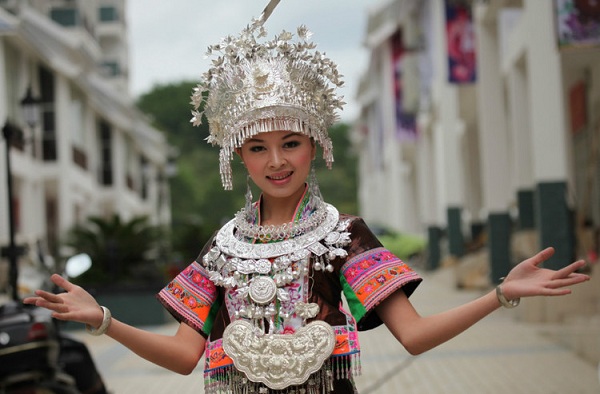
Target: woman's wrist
(103, 326)
(505, 300)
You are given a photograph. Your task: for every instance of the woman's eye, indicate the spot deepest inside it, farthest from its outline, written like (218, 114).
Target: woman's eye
(256, 148)
(291, 144)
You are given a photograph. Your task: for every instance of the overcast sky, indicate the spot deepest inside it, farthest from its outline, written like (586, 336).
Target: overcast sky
(168, 39)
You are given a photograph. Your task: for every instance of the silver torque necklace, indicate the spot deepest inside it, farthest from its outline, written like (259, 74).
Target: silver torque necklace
(259, 272)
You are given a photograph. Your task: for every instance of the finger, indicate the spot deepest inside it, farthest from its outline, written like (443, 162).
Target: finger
(542, 256)
(51, 297)
(569, 269)
(53, 306)
(568, 281)
(62, 282)
(556, 292)
(30, 300)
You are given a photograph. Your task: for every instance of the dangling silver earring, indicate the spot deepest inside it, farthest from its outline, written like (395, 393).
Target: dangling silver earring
(248, 196)
(313, 184)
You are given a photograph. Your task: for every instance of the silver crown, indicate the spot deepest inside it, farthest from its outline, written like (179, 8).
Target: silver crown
(256, 87)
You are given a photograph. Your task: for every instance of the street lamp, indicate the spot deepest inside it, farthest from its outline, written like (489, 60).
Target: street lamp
(30, 107)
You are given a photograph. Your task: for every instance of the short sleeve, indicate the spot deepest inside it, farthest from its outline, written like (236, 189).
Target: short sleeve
(191, 297)
(370, 274)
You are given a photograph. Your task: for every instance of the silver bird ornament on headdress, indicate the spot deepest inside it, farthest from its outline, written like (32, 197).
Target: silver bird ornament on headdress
(254, 87)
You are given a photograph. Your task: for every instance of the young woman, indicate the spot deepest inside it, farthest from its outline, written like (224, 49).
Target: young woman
(262, 302)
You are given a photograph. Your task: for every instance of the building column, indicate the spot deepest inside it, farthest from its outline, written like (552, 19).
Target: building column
(456, 242)
(449, 130)
(64, 153)
(434, 251)
(550, 141)
(526, 207)
(493, 141)
(428, 209)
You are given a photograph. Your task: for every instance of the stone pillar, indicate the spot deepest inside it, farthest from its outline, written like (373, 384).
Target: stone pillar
(526, 206)
(456, 242)
(555, 223)
(550, 142)
(500, 231)
(493, 140)
(434, 253)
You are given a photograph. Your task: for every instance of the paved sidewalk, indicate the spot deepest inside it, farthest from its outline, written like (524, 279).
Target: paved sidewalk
(498, 355)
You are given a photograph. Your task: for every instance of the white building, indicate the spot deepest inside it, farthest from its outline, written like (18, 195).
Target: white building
(91, 152)
(513, 152)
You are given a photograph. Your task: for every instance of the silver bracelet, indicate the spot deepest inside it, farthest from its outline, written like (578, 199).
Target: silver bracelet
(106, 318)
(503, 300)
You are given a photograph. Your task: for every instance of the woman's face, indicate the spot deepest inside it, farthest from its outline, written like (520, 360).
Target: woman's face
(278, 162)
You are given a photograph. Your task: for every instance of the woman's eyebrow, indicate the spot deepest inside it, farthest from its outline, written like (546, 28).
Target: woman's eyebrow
(292, 134)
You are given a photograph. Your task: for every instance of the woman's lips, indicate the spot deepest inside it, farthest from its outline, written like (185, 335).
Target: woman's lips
(280, 176)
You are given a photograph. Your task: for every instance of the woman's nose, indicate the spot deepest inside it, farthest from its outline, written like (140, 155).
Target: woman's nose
(276, 158)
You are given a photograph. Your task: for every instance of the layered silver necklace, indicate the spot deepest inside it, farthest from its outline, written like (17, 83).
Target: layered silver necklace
(257, 275)
(259, 271)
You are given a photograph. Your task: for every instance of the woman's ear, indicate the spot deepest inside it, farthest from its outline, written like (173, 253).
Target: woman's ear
(314, 149)
(238, 151)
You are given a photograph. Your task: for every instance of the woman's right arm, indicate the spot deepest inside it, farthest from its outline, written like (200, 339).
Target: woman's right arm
(179, 352)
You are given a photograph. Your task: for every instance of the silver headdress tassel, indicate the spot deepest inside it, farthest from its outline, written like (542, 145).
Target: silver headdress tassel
(256, 87)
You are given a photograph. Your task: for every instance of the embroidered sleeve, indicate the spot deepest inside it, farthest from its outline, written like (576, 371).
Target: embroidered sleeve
(192, 298)
(370, 274)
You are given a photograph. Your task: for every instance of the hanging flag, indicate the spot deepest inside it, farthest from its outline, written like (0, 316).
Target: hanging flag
(406, 124)
(578, 23)
(460, 42)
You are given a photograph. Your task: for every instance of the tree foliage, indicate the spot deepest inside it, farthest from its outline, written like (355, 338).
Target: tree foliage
(122, 251)
(199, 203)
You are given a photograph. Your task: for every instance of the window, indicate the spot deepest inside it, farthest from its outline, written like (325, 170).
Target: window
(49, 152)
(108, 14)
(111, 69)
(144, 177)
(105, 139)
(78, 130)
(65, 16)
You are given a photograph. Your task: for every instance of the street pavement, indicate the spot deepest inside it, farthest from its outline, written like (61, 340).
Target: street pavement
(496, 356)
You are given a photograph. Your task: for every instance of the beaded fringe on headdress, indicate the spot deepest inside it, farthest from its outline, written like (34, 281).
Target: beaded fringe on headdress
(228, 380)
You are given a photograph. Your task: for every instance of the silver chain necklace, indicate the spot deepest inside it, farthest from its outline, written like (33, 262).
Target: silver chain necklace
(269, 233)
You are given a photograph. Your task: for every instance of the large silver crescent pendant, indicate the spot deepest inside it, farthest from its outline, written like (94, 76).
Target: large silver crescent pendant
(279, 360)
(263, 290)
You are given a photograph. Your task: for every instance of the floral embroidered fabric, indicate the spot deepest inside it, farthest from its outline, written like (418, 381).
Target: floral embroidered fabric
(366, 276)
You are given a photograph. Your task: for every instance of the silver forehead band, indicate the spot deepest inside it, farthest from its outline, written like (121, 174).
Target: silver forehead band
(255, 87)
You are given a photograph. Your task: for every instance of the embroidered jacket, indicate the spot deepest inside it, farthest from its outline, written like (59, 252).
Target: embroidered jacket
(367, 276)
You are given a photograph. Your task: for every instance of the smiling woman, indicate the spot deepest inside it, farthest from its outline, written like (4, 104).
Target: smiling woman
(263, 300)
(278, 162)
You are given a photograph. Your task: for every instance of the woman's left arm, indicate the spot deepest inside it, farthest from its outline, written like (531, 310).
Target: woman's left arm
(419, 334)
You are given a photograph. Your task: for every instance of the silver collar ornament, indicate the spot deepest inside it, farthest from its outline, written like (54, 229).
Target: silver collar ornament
(256, 274)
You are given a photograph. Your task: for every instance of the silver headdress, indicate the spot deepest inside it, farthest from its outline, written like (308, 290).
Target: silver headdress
(256, 87)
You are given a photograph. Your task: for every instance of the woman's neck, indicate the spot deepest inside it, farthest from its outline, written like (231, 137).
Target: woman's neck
(275, 211)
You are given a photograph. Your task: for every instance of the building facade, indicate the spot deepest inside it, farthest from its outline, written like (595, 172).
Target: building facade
(480, 122)
(92, 152)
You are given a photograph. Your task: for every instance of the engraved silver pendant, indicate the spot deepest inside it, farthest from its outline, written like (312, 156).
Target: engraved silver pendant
(263, 290)
(279, 360)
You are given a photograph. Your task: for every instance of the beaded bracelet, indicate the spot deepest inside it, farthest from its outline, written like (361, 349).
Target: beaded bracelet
(503, 300)
(106, 318)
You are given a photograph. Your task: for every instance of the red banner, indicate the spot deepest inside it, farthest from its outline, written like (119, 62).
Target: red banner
(460, 42)
(406, 125)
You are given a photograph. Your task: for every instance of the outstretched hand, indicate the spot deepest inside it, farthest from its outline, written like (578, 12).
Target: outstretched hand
(75, 304)
(527, 279)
